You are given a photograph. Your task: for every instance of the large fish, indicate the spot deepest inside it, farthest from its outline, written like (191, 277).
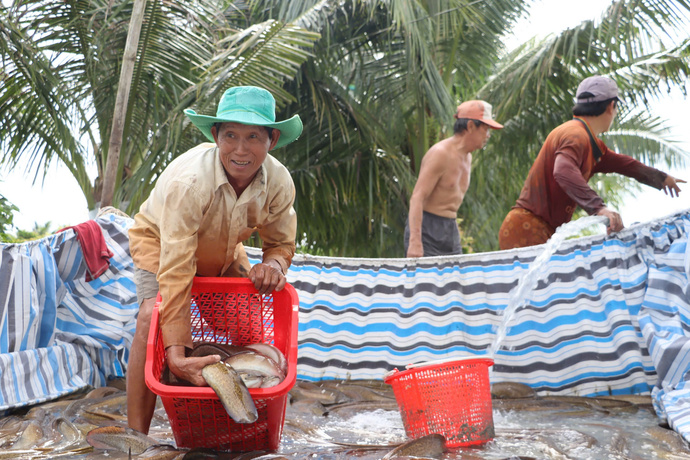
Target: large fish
(260, 366)
(231, 391)
(254, 367)
(429, 446)
(120, 438)
(304, 390)
(212, 348)
(511, 390)
(273, 353)
(31, 436)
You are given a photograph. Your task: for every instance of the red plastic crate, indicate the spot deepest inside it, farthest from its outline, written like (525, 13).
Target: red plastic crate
(452, 398)
(229, 311)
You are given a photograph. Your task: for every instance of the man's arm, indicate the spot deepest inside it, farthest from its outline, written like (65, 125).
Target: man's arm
(569, 177)
(628, 166)
(182, 209)
(278, 237)
(430, 172)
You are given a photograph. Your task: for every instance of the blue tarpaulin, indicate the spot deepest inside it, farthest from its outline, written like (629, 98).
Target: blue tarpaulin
(608, 315)
(58, 332)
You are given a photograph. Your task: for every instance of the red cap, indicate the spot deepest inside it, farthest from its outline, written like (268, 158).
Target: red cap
(477, 110)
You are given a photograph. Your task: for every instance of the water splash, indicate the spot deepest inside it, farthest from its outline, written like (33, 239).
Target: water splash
(528, 282)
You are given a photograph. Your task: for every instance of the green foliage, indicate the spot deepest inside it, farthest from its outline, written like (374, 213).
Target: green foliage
(22, 236)
(61, 64)
(375, 83)
(38, 232)
(466, 240)
(6, 217)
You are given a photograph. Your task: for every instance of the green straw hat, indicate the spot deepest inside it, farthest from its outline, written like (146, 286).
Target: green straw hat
(248, 105)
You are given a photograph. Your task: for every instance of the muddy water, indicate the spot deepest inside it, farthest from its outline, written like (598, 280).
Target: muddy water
(360, 420)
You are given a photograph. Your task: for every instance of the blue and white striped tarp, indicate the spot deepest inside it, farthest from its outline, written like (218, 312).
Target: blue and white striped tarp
(608, 315)
(58, 333)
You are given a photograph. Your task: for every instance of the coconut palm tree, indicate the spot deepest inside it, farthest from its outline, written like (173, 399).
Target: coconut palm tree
(6, 218)
(376, 94)
(61, 65)
(385, 77)
(379, 88)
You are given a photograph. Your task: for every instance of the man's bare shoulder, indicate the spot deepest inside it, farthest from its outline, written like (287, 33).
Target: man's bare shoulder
(442, 148)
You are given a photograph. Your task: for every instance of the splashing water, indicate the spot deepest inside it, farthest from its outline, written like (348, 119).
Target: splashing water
(529, 281)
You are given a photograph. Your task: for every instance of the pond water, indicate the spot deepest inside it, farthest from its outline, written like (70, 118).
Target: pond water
(333, 420)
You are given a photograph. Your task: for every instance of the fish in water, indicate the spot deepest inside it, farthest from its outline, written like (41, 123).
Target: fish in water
(120, 438)
(429, 446)
(304, 390)
(511, 390)
(534, 428)
(231, 391)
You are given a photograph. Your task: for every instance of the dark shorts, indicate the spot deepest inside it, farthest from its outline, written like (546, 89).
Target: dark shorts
(440, 235)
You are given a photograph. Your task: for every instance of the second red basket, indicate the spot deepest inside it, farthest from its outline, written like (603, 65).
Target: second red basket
(452, 398)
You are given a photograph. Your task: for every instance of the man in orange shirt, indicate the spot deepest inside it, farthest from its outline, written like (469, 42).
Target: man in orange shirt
(203, 206)
(570, 156)
(444, 176)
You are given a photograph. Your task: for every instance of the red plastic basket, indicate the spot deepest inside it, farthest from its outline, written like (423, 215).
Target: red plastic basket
(229, 311)
(452, 398)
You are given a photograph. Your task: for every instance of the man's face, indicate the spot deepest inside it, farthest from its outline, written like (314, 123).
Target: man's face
(612, 111)
(482, 134)
(243, 149)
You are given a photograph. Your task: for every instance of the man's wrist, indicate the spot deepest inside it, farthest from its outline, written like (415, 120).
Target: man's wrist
(275, 264)
(175, 351)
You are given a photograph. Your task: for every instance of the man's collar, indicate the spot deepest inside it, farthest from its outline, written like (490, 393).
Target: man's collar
(257, 185)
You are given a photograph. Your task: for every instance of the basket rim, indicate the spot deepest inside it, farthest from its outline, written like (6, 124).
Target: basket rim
(430, 365)
(445, 361)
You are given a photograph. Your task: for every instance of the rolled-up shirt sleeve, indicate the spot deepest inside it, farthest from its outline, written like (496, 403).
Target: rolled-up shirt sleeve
(182, 210)
(280, 228)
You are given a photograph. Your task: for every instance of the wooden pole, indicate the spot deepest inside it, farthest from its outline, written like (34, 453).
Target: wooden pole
(120, 113)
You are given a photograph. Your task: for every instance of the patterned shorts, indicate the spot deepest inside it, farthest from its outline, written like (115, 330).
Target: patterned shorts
(521, 228)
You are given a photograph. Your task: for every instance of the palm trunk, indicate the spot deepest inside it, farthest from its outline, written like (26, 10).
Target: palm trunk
(128, 61)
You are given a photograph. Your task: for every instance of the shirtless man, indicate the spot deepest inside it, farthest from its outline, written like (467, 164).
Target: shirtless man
(444, 177)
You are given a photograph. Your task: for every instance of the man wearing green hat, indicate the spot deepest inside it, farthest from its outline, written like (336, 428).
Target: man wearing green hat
(203, 206)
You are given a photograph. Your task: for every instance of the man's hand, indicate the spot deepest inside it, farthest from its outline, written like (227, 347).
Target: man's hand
(670, 185)
(267, 277)
(615, 220)
(188, 368)
(415, 249)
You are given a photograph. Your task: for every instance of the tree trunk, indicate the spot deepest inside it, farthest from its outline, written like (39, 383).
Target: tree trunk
(128, 60)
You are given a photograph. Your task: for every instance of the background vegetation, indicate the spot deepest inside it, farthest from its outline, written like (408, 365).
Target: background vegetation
(376, 83)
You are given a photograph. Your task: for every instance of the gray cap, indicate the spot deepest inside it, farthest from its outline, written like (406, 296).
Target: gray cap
(596, 89)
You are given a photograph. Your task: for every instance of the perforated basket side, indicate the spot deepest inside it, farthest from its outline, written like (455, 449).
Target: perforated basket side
(204, 423)
(452, 399)
(251, 321)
